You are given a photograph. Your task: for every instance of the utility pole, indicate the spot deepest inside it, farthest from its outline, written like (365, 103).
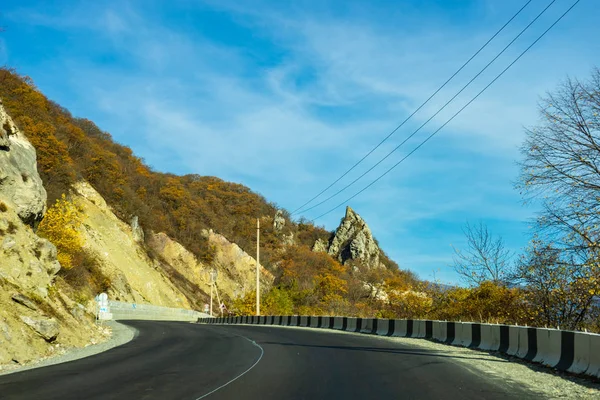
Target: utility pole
(257, 266)
(213, 281)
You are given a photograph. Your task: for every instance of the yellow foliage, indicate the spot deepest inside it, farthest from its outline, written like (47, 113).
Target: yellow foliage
(61, 226)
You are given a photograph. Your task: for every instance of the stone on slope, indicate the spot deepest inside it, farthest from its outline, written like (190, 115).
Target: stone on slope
(24, 301)
(47, 328)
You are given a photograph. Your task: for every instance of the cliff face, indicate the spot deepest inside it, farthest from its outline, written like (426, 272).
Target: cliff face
(236, 269)
(20, 183)
(352, 242)
(118, 248)
(37, 317)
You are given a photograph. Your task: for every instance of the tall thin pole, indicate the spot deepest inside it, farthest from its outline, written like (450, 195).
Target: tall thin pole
(211, 297)
(218, 298)
(257, 266)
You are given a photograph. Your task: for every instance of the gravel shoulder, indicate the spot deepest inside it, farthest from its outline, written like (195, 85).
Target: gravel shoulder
(546, 382)
(119, 335)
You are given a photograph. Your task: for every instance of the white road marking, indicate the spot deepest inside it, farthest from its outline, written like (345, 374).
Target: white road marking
(262, 352)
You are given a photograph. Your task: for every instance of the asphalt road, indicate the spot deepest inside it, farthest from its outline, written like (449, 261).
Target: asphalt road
(172, 360)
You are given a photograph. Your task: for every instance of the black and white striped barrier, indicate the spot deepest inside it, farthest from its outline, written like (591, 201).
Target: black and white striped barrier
(576, 352)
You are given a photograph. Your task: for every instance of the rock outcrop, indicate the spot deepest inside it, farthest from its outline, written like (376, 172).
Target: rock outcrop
(136, 229)
(352, 242)
(20, 183)
(320, 246)
(278, 221)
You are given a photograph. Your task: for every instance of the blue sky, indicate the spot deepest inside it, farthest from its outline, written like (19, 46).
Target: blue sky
(285, 96)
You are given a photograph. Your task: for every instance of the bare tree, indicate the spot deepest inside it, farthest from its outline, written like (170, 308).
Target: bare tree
(561, 166)
(485, 258)
(561, 163)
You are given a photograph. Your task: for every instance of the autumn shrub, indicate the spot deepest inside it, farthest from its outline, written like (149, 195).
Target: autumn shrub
(245, 305)
(487, 302)
(60, 225)
(278, 301)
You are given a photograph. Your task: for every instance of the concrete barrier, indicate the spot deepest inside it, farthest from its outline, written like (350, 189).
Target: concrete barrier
(330, 322)
(548, 346)
(575, 352)
(450, 332)
(124, 311)
(403, 327)
(475, 335)
(594, 354)
(463, 335)
(490, 337)
(527, 338)
(338, 323)
(368, 325)
(419, 328)
(350, 324)
(383, 327)
(439, 331)
(513, 340)
(314, 322)
(581, 353)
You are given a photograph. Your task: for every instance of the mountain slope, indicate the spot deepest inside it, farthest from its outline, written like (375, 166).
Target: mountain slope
(72, 148)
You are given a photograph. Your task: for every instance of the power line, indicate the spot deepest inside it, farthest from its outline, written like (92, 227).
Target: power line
(414, 112)
(451, 118)
(436, 113)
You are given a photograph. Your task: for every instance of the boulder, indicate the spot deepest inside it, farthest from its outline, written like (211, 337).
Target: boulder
(24, 301)
(20, 182)
(47, 328)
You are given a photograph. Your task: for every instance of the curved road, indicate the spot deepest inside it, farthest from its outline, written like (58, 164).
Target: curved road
(172, 360)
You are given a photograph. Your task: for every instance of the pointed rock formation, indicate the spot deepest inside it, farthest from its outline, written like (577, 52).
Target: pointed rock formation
(352, 241)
